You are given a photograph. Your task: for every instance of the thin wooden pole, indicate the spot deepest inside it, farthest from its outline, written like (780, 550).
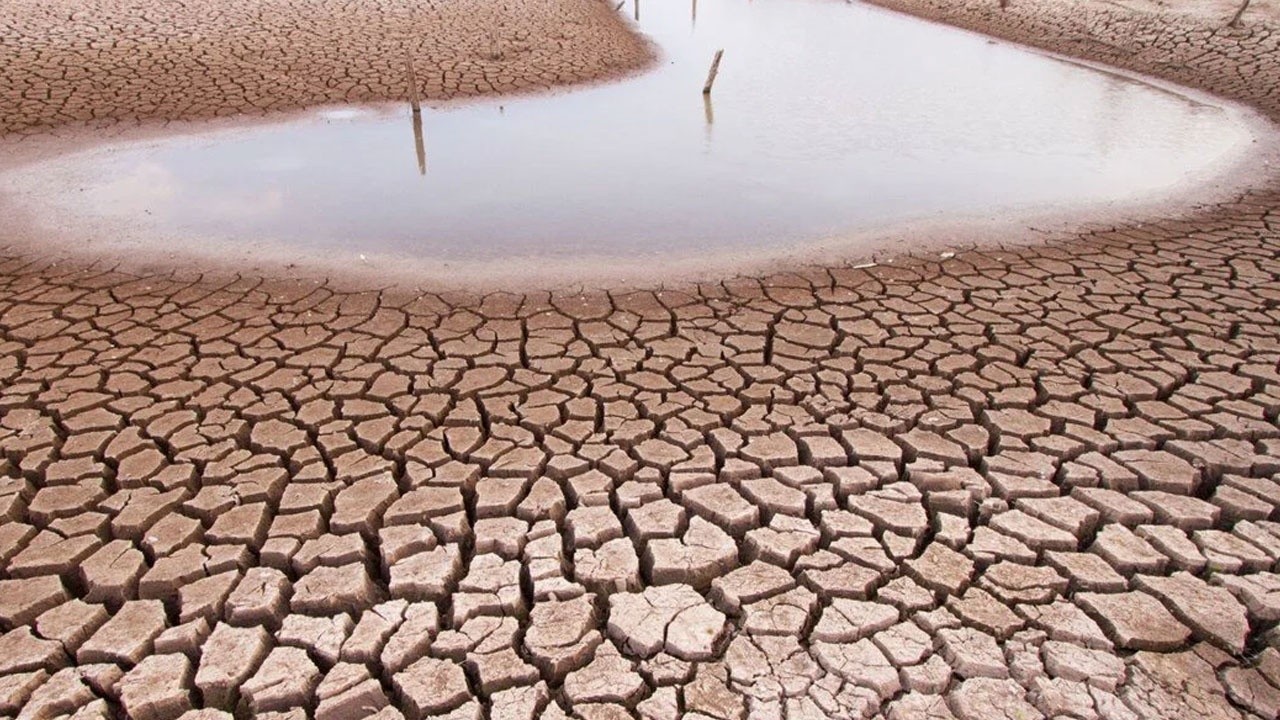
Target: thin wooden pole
(1236, 19)
(414, 102)
(711, 75)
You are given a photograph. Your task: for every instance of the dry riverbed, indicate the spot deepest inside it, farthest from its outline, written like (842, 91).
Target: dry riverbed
(1024, 483)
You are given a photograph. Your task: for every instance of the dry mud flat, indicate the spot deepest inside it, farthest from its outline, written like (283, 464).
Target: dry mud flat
(1026, 484)
(70, 62)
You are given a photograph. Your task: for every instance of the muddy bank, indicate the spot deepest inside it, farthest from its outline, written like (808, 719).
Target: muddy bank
(1191, 45)
(100, 62)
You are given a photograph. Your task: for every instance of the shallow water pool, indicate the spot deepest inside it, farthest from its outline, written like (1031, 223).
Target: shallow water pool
(827, 119)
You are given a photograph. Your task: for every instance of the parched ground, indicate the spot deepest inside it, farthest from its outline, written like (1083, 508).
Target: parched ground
(1010, 484)
(71, 62)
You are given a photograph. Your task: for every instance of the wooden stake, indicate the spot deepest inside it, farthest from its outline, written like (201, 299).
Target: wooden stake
(1236, 20)
(711, 75)
(413, 84)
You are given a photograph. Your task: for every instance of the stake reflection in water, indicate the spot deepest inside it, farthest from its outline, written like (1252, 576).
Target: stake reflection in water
(418, 145)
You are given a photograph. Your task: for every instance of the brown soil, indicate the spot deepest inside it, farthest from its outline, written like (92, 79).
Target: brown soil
(1030, 483)
(103, 61)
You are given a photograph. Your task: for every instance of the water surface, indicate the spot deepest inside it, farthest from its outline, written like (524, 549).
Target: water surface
(827, 118)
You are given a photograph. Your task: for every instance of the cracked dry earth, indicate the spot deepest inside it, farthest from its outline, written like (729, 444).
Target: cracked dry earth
(72, 62)
(1012, 484)
(995, 488)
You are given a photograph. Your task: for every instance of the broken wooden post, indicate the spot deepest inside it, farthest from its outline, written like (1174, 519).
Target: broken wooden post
(413, 84)
(1236, 19)
(711, 75)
